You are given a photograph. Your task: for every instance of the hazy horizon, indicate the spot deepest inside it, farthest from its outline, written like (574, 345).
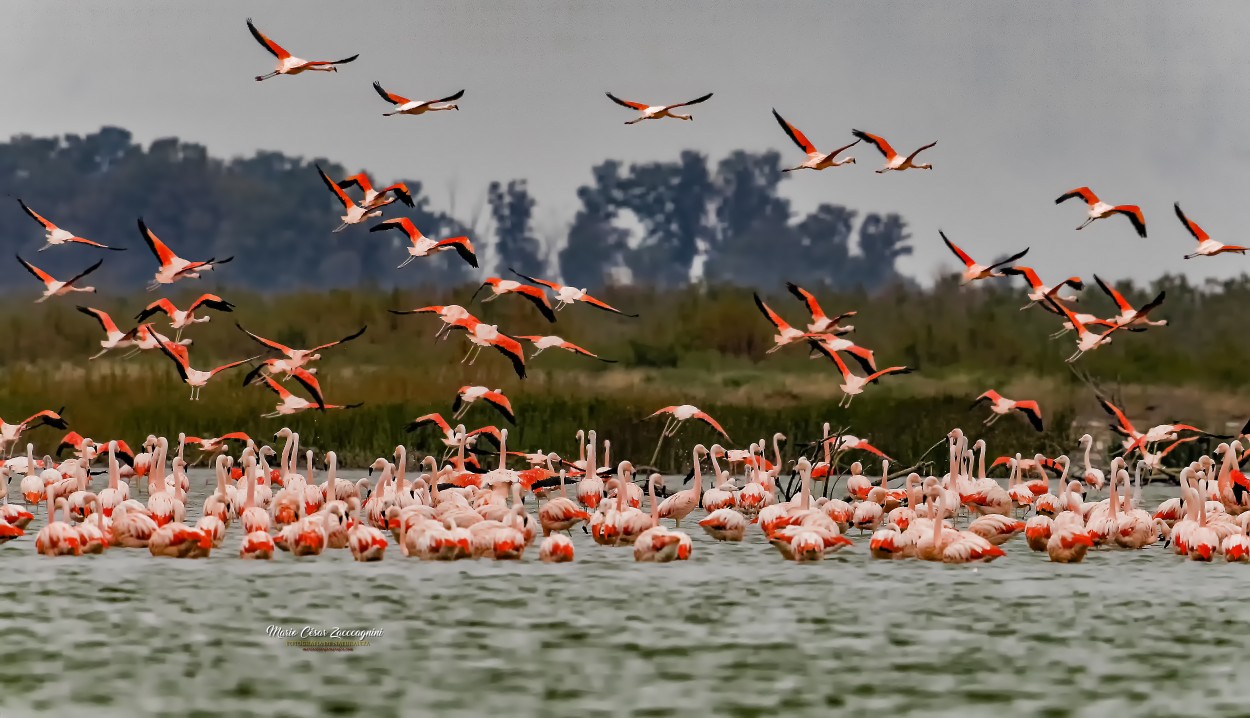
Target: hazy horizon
(1025, 102)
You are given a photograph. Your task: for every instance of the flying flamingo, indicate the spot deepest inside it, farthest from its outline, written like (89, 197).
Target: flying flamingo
(422, 246)
(482, 334)
(56, 288)
(1086, 340)
(1001, 406)
(195, 378)
(291, 404)
(452, 315)
(375, 198)
(566, 295)
(853, 384)
(56, 235)
(172, 266)
(1099, 209)
(534, 295)
(180, 319)
(828, 345)
(816, 160)
(288, 64)
(294, 358)
(469, 394)
(1130, 318)
(786, 334)
(821, 324)
(893, 160)
(973, 271)
(114, 338)
(656, 112)
(542, 343)
(1039, 291)
(405, 106)
(352, 212)
(1207, 247)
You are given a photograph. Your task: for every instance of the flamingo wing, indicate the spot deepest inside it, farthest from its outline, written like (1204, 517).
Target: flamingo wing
(36, 216)
(704, 417)
(310, 383)
(463, 247)
(695, 101)
(1032, 412)
(83, 273)
(276, 388)
(1134, 214)
(390, 96)
(1190, 225)
(1082, 192)
(163, 253)
(159, 306)
(100, 316)
(875, 376)
(878, 142)
(626, 103)
(963, 256)
(179, 358)
(266, 342)
(39, 273)
(265, 42)
(360, 179)
(231, 365)
(1029, 275)
(538, 298)
(1116, 297)
(570, 346)
(990, 396)
(808, 299)
(770, 315)
(1012, 258)
(795, 135)
(1115, 411)
(401, 223)
(401, 191)
(604, 305)
(434, 418)
(500, 402)
(344, 340)
(550, 285)
(338, 191)
(212, 301)
(451, 98)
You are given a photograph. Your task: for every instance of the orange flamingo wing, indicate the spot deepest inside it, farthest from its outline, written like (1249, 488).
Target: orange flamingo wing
(265, 42)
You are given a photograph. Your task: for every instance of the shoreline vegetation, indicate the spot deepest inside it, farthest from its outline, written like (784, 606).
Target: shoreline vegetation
(699, 345)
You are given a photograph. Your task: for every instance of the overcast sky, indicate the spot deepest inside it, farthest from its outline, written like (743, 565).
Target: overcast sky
(1145, 102)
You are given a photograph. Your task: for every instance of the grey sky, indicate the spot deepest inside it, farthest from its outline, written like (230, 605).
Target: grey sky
(1145, 102)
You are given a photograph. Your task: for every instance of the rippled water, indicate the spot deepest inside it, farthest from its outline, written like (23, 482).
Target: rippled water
(735, 631)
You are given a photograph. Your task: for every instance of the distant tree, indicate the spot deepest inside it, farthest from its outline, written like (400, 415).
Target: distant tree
(594, 245)
(826, 242)
(671, 201)
(513, 208)
(882, 241)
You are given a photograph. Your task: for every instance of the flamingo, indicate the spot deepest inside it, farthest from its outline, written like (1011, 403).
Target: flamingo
(405, 106)
(543, 343)
(566, 295)
(1000, 406)
(352, 212)
(556, 548)
(1038, 291)
(451, 315)
(786, 334)
(657, 543)
(500, 287)
(893, 160)
(53, 287)
(288, 64)
(656, 112)
(1099, 209)
(1093, 477)
(853, 384)
(816, 160)
(294, 358)
(821, 323)
(973, 271)
(195, 378)
(1207, 247)
(375, 198)
(482, 334)
(172, 266)
(57, 236)
(466, 395)
(679, 505)
(1129, 317)
(114, 338)
(58, 538)
(180, 319)
(1086, 340)
(422, 246)
(291, 404)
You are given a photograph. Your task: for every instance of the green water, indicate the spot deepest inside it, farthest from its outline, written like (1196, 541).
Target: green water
(735, 631)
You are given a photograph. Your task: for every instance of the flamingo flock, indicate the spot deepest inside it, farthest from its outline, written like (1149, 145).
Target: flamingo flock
(467, 501)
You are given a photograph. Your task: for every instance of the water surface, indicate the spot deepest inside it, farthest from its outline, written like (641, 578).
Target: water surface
(735, 631)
